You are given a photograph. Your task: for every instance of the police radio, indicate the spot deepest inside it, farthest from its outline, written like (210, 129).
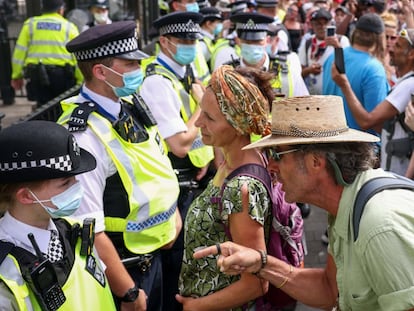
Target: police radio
(44, 282)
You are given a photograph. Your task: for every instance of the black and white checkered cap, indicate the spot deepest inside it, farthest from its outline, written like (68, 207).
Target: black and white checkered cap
(112, 48)
(40, 150)
(251, 26)
(118, 39)
(182, 24)
(62, 163)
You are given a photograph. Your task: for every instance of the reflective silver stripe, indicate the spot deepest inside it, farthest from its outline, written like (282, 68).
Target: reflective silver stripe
(9, 271)
(30, 30)
(116, 147)
(49, 43)
(21, 47)
(202, 78)
(18, 61)
(51, 55)
(67, 32)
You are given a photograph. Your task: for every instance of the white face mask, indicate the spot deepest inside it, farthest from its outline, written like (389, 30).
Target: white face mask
(101, 18)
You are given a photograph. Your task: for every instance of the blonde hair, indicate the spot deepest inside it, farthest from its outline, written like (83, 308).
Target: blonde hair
(390, 20)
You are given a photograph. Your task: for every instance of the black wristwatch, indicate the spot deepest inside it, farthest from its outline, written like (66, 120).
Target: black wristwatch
(131, 295)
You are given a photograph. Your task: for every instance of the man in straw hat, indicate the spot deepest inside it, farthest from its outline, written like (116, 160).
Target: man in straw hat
(319, 160)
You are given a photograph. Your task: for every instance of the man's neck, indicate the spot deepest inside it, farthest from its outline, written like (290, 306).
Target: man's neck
(103, 90)
(403, 70)
(362, 48)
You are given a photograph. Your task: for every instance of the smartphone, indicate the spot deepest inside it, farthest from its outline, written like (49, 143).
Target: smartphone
(330, 31)
(339, 60)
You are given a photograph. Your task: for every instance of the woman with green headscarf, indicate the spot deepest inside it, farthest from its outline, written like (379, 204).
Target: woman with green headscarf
(234, 107)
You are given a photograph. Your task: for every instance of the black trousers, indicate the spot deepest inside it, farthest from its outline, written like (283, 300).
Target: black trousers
(150, 281)
(48, 82)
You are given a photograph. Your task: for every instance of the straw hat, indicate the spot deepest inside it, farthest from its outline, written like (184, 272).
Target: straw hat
(310, 120)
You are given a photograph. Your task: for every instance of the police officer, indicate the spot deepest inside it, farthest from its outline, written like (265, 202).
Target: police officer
(99, 10)
(285, 64)
(133, 191)
(211, 28)
(173, 97)
(200, 63)
(258, 50)
(43, 262)
(40, 55)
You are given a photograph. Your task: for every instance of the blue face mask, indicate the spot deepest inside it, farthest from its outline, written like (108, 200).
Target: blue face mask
(252, 53)
(132, 81)
(185, 54)
(218, 29)
(66, 202)
(192, 7)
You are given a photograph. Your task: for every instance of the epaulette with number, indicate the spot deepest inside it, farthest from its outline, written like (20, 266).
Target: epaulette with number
(78, 121)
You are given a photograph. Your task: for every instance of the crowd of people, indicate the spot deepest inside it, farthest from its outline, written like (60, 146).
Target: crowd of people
(152, 220)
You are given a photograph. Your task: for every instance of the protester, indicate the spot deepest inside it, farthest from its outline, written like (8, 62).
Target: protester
(363, 68)
(318, 159)
(42, 266)
(387, 117)
(235, 105)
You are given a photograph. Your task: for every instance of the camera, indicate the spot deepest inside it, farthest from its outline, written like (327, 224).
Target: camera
(330, 31)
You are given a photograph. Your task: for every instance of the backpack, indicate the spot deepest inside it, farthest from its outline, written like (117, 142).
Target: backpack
(372, 187)
(285, 236)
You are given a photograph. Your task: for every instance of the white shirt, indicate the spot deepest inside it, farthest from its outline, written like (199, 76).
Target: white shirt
(399, 98)
(314, 82)
(225, 55)
(164, 102)
(15, 231)
(94, 182)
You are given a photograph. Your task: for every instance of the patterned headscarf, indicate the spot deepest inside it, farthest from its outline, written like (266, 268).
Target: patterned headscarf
(241, 101)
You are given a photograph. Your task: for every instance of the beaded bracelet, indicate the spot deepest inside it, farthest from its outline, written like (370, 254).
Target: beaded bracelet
(263, 257)
(286, 277)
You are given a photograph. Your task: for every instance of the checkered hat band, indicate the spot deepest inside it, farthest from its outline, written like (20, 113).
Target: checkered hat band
(251, 26)
(180, 28)
(114, 48)
(62, 163)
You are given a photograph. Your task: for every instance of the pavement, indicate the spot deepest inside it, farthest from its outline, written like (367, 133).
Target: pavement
(315, 223)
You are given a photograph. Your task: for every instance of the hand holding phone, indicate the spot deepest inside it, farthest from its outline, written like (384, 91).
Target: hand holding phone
(330, 31)
(339, 60)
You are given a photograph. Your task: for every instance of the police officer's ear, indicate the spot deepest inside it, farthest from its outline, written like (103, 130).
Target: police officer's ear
(164, 42)
(273, 40)
(99, 72)
(24, 196)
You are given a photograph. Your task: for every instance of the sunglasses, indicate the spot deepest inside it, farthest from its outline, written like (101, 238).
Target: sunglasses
(404, 34)
(391, 37)
(277, 156)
